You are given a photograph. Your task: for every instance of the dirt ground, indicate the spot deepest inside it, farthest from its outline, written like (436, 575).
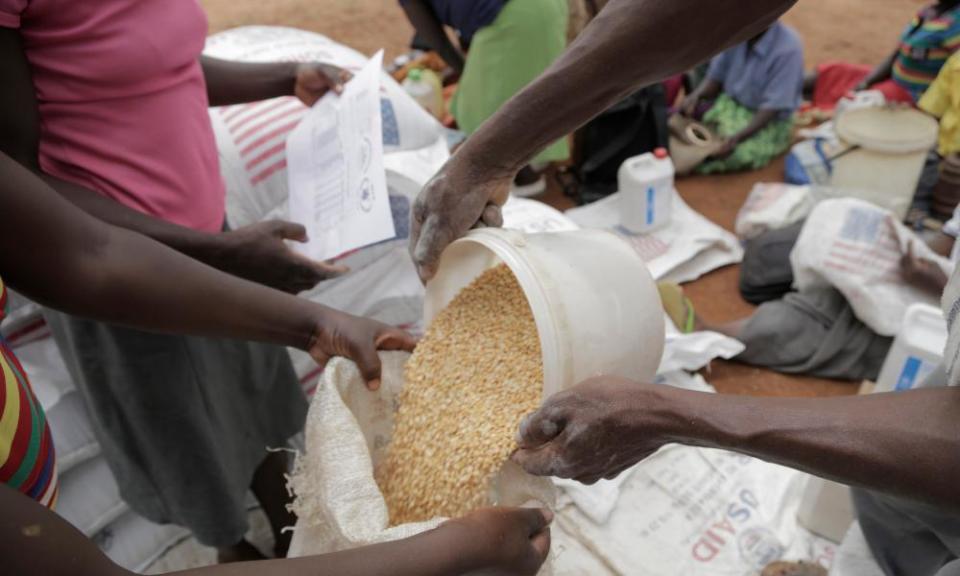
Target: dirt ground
(862, 31)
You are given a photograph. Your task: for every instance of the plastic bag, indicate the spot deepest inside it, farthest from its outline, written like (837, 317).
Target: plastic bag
(773, 206)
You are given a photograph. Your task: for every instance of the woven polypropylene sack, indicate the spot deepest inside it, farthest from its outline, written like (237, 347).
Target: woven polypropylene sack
(856, 247)
(338, 502)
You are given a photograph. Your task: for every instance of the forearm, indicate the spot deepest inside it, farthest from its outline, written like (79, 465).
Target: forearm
(65, 258)
(54, 548)
(708, 90)
(627, 46)
(239, 82)
(432, 553)
(760, 121)
(905, 444)
(134, 281)
(200, 245)
(881, 72)
(425, 21)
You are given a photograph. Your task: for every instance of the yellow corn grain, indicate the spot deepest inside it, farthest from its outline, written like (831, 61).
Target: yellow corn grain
(475, 374)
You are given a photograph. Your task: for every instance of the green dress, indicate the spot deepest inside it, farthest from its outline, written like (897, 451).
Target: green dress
(526, 37)
(728, 117)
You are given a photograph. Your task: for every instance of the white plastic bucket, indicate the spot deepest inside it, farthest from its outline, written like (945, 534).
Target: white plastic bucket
(916, 351)
(596, 305)
(889, 147)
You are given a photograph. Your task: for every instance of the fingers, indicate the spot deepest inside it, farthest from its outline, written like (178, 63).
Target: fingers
(539, 428)
(326, 270)
(417, 215)
(368, 362)
(541, 544)
(536, 519)
(544, 461)
(396, 339)
(492, 216)
(433, 239)
(288, 231)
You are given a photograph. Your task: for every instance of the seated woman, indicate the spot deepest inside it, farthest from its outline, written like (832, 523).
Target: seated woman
(504, 46)
(755, 88)
(926, 44)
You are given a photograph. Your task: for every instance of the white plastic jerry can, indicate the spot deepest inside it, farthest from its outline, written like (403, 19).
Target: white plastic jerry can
(646, 191)
(916, 351)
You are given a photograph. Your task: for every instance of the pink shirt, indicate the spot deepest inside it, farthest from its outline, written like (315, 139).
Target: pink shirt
(123, 102)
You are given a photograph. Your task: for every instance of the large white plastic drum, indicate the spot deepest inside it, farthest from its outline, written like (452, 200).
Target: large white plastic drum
(596, 305)
(891, 146)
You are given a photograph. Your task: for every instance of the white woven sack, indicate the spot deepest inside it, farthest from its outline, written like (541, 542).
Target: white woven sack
(771, 206)
(338, 503)
(856, 247)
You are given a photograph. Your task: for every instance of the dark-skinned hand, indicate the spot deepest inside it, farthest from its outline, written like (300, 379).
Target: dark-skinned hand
(460, 197)
(593, 431)
(314, 80)
(260, 253)
(358, 339)
(505, 541)
(922, 272)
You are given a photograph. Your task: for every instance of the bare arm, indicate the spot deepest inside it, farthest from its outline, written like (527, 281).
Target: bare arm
(426, 22)
(65, 258)
(631, 43)
(34, 540)
(707, 90)
(879, 74)
(760, 121)
(905, 444)
(238, 82)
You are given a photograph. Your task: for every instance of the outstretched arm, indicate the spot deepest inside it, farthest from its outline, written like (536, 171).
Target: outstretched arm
(905, 444)
(631, 43)
(230, 82)
(65, 258)
(34, 540)
(882, 72)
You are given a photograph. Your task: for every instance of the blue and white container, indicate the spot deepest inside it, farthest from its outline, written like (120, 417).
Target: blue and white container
(917, 350)
(646, 191)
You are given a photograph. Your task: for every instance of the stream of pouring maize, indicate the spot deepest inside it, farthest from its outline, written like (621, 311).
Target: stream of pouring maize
(474, 376)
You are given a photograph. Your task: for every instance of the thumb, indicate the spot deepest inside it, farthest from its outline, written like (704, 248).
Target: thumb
(289, 231)
(536, 519)
(396, 339)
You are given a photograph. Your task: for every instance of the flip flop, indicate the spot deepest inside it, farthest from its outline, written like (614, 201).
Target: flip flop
(677, 306)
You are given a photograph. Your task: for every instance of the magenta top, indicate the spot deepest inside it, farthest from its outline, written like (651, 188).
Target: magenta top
(123, 102)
